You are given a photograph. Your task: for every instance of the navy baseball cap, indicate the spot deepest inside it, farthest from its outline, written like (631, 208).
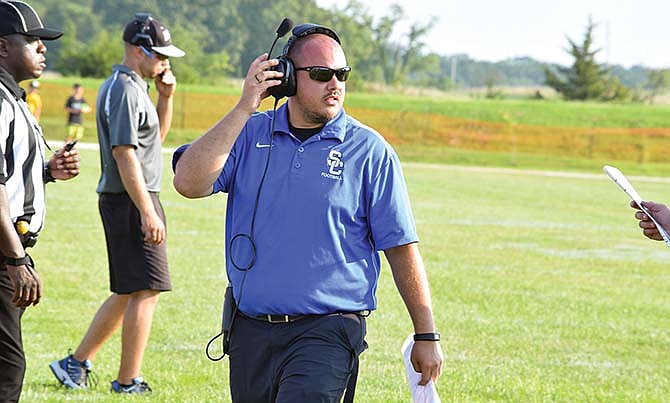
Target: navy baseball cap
(17, 17)
(147, 31)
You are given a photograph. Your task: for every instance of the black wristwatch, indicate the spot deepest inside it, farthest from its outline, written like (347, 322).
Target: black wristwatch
(426, 337)
(21, 261)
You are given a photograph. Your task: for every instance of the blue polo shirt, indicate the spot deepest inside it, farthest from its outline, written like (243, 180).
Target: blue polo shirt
(326, 207)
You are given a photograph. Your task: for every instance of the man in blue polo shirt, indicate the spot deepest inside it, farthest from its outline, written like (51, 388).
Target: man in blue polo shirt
(313, 194)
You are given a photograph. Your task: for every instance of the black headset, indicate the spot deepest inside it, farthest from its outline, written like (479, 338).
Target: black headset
(143, 36)
(289, 84)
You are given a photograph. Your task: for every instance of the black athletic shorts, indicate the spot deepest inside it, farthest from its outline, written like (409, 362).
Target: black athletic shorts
(134, 265)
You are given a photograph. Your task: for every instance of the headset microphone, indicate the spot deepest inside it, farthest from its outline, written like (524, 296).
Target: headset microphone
(283, 29)
(279, 91)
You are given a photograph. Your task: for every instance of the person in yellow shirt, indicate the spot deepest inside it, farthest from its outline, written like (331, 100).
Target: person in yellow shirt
(76, 106)
(34, 100)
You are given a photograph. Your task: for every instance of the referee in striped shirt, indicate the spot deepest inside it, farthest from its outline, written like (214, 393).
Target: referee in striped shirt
(23, 173)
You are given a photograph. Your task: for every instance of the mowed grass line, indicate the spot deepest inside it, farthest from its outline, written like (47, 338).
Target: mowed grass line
(553, 113)
(544, 290)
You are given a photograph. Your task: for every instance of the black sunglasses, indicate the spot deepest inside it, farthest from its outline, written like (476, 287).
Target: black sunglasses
(324, 74)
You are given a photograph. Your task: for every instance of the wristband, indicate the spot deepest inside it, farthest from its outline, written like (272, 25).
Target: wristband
(427, 337)
(21, 261)
(47, 177)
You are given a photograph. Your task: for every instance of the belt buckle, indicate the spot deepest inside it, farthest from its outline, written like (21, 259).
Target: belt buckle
(278, 318)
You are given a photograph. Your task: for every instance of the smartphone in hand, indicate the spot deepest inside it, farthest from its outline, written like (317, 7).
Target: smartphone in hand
(69, 146)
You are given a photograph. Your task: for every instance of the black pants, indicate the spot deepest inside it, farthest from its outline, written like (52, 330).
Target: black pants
(12, 360)
(309, 360)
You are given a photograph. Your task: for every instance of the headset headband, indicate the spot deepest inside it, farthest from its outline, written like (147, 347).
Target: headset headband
(303, 30)
(144, 33)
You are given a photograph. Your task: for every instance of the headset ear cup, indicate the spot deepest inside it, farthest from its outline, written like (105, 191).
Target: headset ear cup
(287, 88)
(291, 78)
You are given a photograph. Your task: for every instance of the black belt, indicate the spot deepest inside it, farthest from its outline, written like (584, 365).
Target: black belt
(278, 318)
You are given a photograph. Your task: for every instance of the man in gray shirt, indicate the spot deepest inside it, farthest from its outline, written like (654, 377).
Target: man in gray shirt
(130, 132)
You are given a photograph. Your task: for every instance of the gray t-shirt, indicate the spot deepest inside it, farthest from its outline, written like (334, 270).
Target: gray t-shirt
(127, 116)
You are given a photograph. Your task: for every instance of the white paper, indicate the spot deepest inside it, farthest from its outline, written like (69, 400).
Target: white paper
(619, 178)
(420, 393)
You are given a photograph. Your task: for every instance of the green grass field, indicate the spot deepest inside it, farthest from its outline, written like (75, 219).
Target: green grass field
(543, 287)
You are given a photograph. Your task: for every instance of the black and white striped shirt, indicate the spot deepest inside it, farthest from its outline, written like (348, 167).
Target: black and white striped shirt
(21, 155)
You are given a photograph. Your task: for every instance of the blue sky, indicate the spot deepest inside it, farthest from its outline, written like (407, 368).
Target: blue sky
(628, 32)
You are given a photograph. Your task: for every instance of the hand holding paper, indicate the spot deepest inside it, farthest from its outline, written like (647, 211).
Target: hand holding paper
(618, 177)
(660, 217)
(420, 394)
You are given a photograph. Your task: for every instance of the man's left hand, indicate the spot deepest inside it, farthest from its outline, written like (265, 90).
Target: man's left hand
(27, 285)
(427, 359)
(64, 164)
(166, 83)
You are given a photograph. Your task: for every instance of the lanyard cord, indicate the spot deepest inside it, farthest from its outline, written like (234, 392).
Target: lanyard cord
(250, 236)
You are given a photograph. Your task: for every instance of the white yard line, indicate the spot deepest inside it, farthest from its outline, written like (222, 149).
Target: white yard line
(533, 172)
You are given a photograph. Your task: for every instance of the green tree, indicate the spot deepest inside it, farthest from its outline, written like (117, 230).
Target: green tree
(197, 65)
(396, 57)
(221, 38)
(658, 81)
(94, 59)
(585, 79)
(433, 73)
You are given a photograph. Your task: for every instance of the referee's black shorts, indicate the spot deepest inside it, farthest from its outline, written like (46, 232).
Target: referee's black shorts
(134, 265)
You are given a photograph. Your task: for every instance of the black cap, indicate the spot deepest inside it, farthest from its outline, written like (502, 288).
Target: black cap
(17, 17)
(147, 31)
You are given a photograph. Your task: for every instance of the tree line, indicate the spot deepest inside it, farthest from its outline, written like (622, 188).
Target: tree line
(222, 37)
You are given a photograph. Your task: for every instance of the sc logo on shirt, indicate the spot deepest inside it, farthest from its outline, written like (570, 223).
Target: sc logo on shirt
(335, 165)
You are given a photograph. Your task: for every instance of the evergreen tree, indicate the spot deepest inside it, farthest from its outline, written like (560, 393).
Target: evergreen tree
(585, 79)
